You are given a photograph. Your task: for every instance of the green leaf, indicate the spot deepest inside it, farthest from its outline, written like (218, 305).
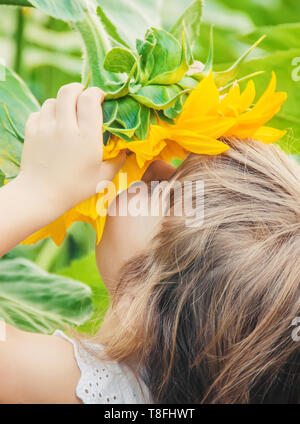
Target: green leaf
(279, 37)
(17, 97)
(158, 96)
(2, 178)
(62, 9)
(33, 300)
(119, 60)
(85, 270)
(20, 103)
(265, 12)
(191, 22)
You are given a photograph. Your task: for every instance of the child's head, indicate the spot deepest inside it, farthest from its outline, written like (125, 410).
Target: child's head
(208, 310)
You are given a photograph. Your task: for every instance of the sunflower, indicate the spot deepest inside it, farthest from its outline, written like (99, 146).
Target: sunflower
(207, 115)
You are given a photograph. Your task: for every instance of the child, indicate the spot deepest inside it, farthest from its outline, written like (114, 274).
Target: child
(199, 314)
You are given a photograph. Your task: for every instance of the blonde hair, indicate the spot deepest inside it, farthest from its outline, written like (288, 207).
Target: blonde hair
(207, 312)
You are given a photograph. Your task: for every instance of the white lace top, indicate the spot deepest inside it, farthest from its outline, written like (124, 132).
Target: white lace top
(104, 381)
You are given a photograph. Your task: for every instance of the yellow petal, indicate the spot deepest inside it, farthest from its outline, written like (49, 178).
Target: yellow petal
(211, 126)
(197, 143)
(268, 135)
(172, 151)
(230, 102)
(203, 100)
(247, 97)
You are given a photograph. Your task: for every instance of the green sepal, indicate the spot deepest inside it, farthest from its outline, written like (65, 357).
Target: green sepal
(210, 59)
(224, 77)
(176, 110)
(119, 60)
(164, 118)
(153, 117)
(188, 83)
(127, 118)
(158, 96)
(109, 109)
(145, 49)
(143, 130)
(245, 78)
(164, 60)
(123, 136)
(106, 138)
(118, 90)
(192, 18)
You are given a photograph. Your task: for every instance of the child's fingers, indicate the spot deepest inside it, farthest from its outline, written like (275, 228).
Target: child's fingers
(66, 115)
(89, 111)
(48, 112)
(32, 124)
(110, 168)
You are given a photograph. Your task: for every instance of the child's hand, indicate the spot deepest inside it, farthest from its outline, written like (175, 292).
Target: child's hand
(63, 148)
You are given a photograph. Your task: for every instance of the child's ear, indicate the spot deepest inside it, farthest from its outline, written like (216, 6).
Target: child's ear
(159, 170)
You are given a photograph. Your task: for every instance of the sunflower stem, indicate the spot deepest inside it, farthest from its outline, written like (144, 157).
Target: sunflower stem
(21, 3)
(96, 44)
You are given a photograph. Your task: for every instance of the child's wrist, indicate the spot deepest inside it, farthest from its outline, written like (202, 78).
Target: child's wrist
(42, 201)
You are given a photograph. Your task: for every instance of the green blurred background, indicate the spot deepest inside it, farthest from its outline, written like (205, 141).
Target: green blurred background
(46, 53)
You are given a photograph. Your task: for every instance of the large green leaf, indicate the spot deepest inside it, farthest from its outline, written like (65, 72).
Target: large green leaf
(85, 270)
(279, 37)
(265, 12)
(133, 17)
(33, 300)
(19, 102)
(68, 10)
(18, 98)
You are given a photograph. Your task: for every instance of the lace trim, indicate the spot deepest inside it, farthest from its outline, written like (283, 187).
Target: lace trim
(104, 381)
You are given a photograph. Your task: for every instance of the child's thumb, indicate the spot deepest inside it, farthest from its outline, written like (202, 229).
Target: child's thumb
(110, 168)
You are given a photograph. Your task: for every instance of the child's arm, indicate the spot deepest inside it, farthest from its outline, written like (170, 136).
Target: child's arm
(61, 164)
(36, 368)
